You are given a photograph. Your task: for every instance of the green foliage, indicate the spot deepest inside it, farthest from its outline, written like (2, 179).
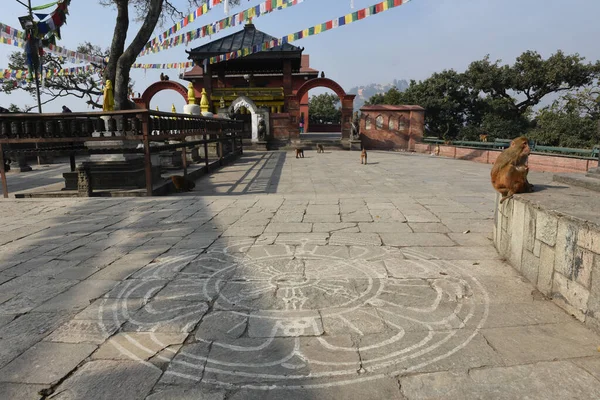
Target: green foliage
(324, 107)
(499, 100)
(572, 121)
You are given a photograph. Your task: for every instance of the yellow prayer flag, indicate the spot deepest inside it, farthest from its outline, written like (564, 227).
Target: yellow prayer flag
(305, 33)
(318, 29)
(348, 18)
(290, 37)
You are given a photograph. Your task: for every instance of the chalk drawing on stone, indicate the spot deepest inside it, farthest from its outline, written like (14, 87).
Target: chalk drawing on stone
(306, 316)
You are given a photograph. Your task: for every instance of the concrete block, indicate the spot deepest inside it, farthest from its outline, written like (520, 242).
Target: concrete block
(566, 240)
(546, 228)
(517, 233)
(589, 239)
(529, 235)
(546, 270)
(570, 295)
(582, 267)
(529, 267)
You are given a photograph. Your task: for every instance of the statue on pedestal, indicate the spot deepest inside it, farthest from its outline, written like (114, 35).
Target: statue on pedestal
(355, 133)
(262, 128)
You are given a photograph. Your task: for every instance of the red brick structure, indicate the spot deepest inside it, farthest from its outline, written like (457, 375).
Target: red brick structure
(391, 127)
(276, 81)
(144, 101)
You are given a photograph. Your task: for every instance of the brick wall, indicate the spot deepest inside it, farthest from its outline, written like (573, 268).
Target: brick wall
(537, 162)
(391, 127)
(281, 126)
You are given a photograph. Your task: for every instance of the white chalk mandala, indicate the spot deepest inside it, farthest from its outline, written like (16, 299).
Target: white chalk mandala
(300, 316)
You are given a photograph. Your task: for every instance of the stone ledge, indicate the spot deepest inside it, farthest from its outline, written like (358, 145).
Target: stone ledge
(553, 238)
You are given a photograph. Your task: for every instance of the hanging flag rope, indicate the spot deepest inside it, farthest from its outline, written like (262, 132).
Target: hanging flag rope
(264, 8)
(47, 73)
(12, 42)
(200, 11)
(314, 30)
(9, 36)
(188, 64)
(8, 31)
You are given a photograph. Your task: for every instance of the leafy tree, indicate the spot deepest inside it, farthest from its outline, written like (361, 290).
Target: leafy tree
(324, 107)
(572, 121)
(531, 78)
(497, 100)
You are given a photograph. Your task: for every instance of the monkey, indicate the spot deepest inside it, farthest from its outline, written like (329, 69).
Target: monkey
(483, 138)
(164, 77)
(7, 162)
(509, 173)
(363, 156)
(182, 184)
(299, 152)
(320, 148)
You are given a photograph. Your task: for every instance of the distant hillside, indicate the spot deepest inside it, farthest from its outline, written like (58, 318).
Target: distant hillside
(364, 93)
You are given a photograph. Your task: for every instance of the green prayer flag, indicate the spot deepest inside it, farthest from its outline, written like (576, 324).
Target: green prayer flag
(44, 6)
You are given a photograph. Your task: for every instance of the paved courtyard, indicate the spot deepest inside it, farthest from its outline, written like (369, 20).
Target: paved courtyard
(283, 278)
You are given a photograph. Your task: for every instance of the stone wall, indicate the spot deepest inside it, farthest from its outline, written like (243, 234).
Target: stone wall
(557, 253)
(537, 162)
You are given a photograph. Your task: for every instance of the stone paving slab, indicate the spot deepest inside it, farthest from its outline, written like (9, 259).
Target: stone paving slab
(311, 279)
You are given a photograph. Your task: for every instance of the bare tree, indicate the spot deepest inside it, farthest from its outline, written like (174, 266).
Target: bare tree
(86, 86)
(151, 13)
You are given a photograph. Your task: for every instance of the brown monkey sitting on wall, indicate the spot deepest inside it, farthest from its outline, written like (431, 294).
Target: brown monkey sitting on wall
(182, 184)
(509, 173)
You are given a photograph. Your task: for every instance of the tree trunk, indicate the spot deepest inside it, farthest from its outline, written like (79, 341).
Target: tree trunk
(119, 37)
(128, 57)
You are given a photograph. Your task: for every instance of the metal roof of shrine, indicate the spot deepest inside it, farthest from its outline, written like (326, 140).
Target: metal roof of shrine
(247, 37)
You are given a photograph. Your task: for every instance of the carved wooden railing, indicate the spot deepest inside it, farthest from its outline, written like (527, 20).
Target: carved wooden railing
(73, 133)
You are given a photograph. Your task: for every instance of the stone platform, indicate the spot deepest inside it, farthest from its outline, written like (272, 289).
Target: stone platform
(552, 237)
(283, 278)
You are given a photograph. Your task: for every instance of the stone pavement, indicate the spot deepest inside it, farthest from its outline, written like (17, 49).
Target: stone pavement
(280, 278)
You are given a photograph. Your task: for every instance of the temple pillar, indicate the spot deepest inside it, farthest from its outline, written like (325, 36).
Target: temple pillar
(208, 80)
(347, 109)
(221, 79)
(294, 112)
(287, 77)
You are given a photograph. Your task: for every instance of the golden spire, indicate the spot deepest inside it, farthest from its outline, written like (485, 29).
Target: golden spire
(191, 94)
(204, 105)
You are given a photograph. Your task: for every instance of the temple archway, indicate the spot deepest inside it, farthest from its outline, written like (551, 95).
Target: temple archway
(346, 100)
(144, 101)
(255, 112)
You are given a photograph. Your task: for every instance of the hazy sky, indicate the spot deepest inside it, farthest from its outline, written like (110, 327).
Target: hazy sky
(409, 42)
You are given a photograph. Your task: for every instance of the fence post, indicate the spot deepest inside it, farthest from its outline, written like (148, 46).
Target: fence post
(184, 159)
(3, 173)
(206, 150)
(147, 157)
